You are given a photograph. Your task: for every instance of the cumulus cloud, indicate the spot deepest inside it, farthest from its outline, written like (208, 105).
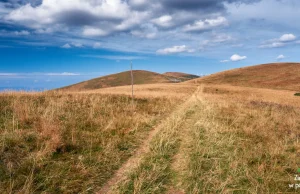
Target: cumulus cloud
(279, 42)
(280, 57)
(234, 58)
(163, 21)
(174, 50)
(94, 19)
(237, 57)
(102, 17)
(204, 25)
(81, 13)
(287, 37)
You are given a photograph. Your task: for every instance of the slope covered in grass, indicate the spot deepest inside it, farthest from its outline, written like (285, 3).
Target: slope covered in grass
(124, 78)
(180, 77)
(274, 76)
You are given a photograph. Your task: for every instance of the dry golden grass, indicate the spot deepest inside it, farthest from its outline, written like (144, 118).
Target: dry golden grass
(240, 140)
(227, 139)
(58, 142)
(222, 139)
(283, 76)
(168, 90)
(124, 78)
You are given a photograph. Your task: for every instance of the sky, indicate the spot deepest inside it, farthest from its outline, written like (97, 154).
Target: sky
(46, 44)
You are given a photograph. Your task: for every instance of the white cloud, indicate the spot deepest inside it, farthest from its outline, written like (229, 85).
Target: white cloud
(280, 57)
(224, 61)
(8, 74)
(287, 37)
(22, 33)
(216, 40)
(272, 45)
(115, 15)
(97, 45)
(94, 32)
(78, 45)
(208, 24)
(24, 75)
(148, 31)
(237, 57)
(62, 74)
(174, 49)
(163, 21)
(66, 46)
(114, 57)
(279, 42)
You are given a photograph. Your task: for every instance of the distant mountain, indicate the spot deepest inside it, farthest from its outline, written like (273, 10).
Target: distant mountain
(124, 78)
(180, 77)
(274, 76)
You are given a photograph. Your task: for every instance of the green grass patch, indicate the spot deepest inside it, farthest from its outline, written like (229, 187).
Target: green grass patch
(297, 94)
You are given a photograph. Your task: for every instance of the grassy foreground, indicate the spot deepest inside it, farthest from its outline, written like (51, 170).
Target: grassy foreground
(70, 142)
(224, 141)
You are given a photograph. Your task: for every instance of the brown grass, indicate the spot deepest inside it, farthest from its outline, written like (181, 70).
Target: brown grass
(223, 139)
(284, 76)
(57, 142)
(180, 76)
(124, 78)
(240, 140)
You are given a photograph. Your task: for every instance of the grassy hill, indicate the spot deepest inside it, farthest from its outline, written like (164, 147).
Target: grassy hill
(274, 75)
(124, 78)
(180, 76)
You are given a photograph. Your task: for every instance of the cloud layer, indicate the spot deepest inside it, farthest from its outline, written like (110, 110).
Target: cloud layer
(93, 18)
(206, 28)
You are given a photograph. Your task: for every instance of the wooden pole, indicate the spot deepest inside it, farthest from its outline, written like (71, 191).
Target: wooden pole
(132, 97)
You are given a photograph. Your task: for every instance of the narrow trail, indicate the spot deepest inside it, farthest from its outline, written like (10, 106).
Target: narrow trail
(179, 158)
(134, 160)
(130, 163)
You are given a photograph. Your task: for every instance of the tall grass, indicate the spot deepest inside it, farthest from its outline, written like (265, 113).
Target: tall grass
(153, 172)
(67, 142)
(239, 144)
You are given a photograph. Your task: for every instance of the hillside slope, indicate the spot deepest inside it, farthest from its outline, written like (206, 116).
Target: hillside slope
(124, 78)
(180, 76)
(275, 76)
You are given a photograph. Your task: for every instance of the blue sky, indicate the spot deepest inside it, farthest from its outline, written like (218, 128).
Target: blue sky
(53, 43)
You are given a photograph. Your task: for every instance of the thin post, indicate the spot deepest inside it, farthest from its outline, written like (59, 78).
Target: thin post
(132, 97)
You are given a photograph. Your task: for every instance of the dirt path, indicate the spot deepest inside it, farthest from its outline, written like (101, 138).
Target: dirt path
(133, 161)
(130, 163)
(179, 159)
